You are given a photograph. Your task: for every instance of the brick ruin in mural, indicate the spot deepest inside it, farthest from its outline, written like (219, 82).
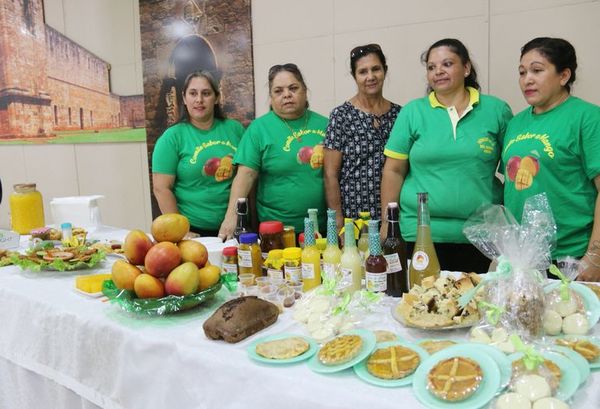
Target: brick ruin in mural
(181, 36)
(49, 83)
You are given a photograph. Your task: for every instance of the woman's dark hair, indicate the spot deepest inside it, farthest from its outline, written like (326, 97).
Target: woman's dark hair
(289, 67)
(362, 50)
(458, 48)
(558, 51)
(214, 84)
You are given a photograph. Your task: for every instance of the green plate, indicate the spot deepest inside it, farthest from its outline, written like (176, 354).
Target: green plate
(360, 369)
(569, 374)
(504, 364)
(312, 349)
(369, 342)
(590, 300)
(482, 396)
(580, 362)
(156, 306)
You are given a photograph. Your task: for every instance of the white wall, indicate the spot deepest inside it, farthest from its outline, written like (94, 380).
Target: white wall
(317, 35)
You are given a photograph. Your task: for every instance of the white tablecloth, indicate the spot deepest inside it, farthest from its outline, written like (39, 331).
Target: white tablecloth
(54, 338)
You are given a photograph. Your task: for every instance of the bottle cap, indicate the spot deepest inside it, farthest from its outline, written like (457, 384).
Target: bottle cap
(270, 227)
(248, 238)
(292, 253)
(230, 251)
(66, 226)
(24, 187)
(277, 253)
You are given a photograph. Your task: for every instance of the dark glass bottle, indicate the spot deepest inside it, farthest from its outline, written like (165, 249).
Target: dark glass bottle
(243, 225)
(375, 265)
(394, 251)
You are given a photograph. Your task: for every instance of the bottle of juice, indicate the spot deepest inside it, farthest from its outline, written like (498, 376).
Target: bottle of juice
(424, 261)
(26, 208)
(311, 258)
(394, 251)
(351, 265)
(313, 216)
(363, 240)
(332, 253)
(243, 224)
(375, 266)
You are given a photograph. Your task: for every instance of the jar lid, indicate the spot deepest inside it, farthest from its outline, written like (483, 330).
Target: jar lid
(270, 227)
(248, 238)
(230, 251)
(24, 187)
(277, 253)
(292, 253)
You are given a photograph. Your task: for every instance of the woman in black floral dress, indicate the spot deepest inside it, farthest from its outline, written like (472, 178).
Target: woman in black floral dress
(356, 135)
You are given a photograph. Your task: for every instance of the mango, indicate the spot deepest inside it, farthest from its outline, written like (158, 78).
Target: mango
(170, 227)
(193, 251)
(124, 274)
(208, 276)
(135, 246)
(147, 286)
(162, 258)
(183, 280)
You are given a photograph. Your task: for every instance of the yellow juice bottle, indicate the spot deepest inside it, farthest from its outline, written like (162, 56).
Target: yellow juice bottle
(311, 258)
(26, 208)
(351, 265)
(332, 253)
(424, 261)
(363, 240)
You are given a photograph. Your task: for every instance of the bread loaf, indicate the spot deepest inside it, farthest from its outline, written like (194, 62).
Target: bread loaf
(238, 319)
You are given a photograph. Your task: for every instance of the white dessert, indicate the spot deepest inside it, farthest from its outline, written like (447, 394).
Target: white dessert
(507, 347)
(550, 403)
(511, 400)
(499, 335)
(575, 324)
(323, 334)
(533, 387)
(565, 307)
(552, 322)
(479, 335)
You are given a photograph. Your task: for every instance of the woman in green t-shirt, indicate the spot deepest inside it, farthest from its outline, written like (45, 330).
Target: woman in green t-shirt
(192, 162)
(553, 146)
(282, 153)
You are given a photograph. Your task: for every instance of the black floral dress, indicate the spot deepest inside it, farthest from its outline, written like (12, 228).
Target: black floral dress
(361, 138)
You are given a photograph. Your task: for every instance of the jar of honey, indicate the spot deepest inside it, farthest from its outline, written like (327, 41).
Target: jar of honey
(26, 208)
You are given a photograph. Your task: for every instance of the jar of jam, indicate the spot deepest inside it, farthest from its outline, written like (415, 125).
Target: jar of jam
(274, 264)
(292, 264)
(289, 236)
(271, 238)
(249, 257)
(26, 208)
(229, 267)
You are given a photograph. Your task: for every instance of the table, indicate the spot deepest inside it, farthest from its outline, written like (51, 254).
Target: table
(60, 349)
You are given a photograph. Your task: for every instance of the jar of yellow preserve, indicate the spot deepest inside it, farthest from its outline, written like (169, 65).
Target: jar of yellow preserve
(26, 208)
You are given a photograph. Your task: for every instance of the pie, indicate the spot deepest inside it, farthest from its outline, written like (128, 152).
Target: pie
(384, 336)
(587, 349)
(285, 348)
(518, 369)
(393, 362)
(340, 350)
(433, 346)
(454, 379)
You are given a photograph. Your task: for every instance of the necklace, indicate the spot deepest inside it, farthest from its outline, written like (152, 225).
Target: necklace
(297, 133)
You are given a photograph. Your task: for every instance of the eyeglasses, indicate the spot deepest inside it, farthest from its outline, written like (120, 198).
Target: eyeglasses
(282, 67)
(362, 50)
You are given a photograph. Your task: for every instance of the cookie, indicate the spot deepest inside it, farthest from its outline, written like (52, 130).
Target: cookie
(433, 346)
(282, 348)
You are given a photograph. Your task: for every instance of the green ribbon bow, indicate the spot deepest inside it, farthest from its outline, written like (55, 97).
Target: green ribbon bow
(343, 305)
(531, 358)
(367, 298)
(503, 271)
(328, 286)
(493, 312)
(565, 294)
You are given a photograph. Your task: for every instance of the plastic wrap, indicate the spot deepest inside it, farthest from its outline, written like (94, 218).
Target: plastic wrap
(523, 252)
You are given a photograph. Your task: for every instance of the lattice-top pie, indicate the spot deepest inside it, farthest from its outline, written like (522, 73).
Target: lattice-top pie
(585, 348)
(454, 379)
(393, 362)
(340, 349)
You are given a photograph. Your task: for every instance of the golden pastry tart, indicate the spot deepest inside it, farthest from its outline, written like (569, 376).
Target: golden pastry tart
(282, 348)
(585, 348)
(433, 346)
(393, 362)
(340, 349)
(518, 369)
(454, 379)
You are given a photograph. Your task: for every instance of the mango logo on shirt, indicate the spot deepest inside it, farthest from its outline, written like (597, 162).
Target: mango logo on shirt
(312, 155)
(220, 168)
(522, 171)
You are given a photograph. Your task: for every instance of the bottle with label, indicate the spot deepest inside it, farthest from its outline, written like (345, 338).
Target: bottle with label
(332, 253)
(311, 258)
(375, 266)
(243, 224)
(363, 240)
(351, 265)
(424, 261)
(26, 208)
(394, 251)
(292, 265)
(274, 264)
(271, 238)
(229, 268)
(249, 256)
(313, 216)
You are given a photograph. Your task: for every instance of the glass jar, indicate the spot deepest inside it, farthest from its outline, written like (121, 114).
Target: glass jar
(292, 264)
(229, 267)
(274, 264)
(271, 238)
(249, 256)
(26, 208)
(289, 236)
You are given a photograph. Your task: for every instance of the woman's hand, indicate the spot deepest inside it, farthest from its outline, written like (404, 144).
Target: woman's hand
(227, 227)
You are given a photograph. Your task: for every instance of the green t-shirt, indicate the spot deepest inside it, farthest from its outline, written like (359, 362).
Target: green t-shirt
(557, 152)
(452, 159)
(202, 163)
(289, 159)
